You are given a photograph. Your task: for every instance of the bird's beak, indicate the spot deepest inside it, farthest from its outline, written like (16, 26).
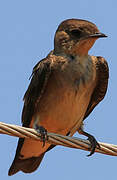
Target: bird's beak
(98, 35)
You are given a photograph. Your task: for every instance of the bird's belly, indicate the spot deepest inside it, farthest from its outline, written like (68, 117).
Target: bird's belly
(62, 110)
(59, 113)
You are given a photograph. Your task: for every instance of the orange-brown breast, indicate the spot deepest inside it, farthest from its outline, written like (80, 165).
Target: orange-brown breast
(63, 104)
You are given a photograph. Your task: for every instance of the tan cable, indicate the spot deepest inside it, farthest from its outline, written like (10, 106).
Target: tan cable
(56, 139)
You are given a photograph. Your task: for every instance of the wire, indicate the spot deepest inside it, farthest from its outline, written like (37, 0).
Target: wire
(57, 139)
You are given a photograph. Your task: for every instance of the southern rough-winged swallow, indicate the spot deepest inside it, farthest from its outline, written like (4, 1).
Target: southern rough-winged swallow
(64, 89)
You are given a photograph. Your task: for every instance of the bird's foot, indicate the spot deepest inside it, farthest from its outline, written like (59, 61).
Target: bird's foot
(43, 132)
(94, 144)
(91, 139)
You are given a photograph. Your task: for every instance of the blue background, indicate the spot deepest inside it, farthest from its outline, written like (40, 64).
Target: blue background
(26, 36)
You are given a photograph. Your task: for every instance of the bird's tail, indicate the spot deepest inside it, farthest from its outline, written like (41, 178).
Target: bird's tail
(26, 165)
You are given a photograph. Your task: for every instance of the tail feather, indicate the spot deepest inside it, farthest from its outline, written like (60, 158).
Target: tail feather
(26, 165)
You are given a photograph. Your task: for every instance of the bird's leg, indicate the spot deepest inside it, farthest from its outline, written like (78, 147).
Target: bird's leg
(91, 139)
(41, 130)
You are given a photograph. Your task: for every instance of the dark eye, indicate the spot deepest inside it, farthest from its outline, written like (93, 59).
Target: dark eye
(76, 33)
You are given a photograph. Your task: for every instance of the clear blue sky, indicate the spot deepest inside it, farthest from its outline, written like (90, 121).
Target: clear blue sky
(26, 36)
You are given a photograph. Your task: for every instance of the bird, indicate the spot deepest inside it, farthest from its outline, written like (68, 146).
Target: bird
(64, 89)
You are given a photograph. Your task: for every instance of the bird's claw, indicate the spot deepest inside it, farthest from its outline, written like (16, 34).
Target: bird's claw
(94, 144)
(41, 130)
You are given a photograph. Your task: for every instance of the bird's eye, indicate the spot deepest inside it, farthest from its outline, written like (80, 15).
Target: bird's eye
(76, 33)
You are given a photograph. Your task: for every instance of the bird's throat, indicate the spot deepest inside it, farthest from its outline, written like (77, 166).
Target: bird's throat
(82, 47)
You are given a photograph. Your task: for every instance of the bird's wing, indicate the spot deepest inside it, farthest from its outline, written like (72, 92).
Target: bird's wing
(99, 92)
(40, 76)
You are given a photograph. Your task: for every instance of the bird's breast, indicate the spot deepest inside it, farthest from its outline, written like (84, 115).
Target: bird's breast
(65, 100)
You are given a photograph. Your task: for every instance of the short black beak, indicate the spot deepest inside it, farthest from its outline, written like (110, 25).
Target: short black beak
(98, 35)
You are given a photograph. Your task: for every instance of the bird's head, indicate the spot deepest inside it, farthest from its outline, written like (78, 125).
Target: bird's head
(76, 37)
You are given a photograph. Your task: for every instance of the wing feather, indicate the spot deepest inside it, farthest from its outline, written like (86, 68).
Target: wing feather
(40, 76)
(102, 72)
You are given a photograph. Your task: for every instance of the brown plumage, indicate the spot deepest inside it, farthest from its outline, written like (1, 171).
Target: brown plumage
(64, 89)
